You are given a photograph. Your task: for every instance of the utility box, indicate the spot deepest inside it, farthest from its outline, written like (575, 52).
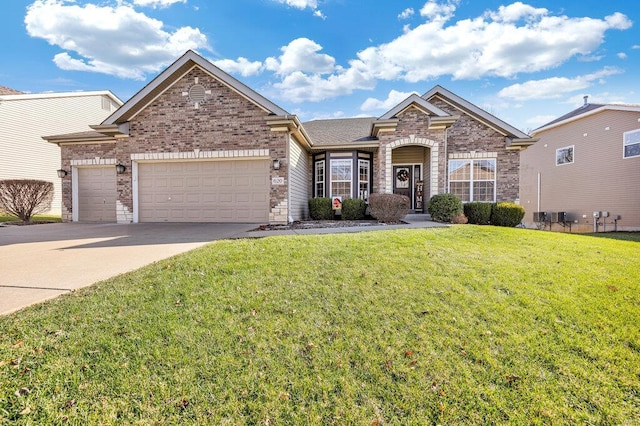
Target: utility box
(539, 217)
(558, 217)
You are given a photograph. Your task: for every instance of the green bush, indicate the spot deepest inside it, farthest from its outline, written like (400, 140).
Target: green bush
(389, 207)
(320, 208)
(443, 207)
(478, 213)
(353, 209)
(506, 214)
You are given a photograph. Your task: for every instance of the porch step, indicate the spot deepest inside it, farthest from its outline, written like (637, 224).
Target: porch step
(417, 217)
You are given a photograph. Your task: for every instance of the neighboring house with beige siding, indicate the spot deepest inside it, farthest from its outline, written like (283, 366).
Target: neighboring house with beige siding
(584, 162)
(26, 117)
(197, 145)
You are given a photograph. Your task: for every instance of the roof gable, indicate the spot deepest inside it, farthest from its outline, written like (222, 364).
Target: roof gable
(583, 112)
(419, 103)
(475, 112)
(172, 74)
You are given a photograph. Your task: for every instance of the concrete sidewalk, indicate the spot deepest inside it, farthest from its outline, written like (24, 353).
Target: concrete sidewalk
(41, 262)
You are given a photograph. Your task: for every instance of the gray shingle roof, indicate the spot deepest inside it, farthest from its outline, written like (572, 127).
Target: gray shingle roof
(576, 112)
(338, 131)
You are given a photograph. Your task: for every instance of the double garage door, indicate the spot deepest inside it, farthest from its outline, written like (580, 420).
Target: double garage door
(204, 191)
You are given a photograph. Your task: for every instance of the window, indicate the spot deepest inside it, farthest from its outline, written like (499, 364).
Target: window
(319, 179)
(631, 143)
(364, 177)
(341, 177)
(473, 180)
(564, 155)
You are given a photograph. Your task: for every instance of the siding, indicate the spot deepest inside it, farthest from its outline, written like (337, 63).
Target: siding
(298, 184)
(23, 122)
(598, 180)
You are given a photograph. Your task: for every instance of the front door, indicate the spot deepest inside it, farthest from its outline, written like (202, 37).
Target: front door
(404, 182)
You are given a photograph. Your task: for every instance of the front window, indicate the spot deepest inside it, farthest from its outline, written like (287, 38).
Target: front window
(364, 175)
(341, 177)
(631, 143)
(564, 155)
(473, 180)
(319, 188)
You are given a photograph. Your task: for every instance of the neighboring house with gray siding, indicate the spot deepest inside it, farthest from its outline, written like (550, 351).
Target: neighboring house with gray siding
(584, 162)
(195, 144)
(25, 117)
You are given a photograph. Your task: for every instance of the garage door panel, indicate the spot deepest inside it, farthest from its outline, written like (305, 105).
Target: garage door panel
(209, 191)
(97, 194)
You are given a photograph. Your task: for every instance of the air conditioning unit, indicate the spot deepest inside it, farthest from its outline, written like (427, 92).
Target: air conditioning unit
(558, 217)
(539, 217)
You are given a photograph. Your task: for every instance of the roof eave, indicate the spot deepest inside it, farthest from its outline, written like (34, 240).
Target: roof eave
(362, 146)
(519, 144)
(290, 123)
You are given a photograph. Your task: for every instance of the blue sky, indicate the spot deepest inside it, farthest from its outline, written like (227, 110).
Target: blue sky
(525, 62)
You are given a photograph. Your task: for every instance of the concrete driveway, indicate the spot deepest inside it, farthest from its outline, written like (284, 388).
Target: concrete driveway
(41, 262)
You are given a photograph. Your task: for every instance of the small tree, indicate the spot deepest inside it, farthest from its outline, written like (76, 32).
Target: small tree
(25, 197)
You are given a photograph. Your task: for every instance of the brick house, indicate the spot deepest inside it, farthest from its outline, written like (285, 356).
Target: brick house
(195, 144)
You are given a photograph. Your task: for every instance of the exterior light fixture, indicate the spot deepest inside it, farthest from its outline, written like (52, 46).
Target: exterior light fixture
(120, 168)
(276, 164)
(61, 173)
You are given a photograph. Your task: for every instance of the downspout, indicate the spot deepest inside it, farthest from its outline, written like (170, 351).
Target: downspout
(538, 192)
(288, 163)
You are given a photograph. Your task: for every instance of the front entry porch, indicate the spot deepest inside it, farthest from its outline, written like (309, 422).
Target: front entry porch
(409, 175)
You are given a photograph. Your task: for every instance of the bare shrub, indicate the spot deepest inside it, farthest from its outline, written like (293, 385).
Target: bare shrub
(24, 198)
(459, 219)
(389, 207)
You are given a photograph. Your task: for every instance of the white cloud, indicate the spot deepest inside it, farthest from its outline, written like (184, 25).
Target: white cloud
(515, 39)
(406, 14)
(304, 4)
(539, 120)
(240, 66)
(111, 40)
(635, 46)
(393, 99)
(554, 87)
(301, 55)
(157, 3)
(622, 55)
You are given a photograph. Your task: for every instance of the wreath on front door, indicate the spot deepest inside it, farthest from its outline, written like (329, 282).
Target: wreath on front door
(402, 175)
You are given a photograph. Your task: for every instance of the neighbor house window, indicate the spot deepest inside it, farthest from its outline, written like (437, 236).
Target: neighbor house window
(473, 180)
(564, 155)
(341, 177)
(631, 143)
(319, 179)
(364, 174)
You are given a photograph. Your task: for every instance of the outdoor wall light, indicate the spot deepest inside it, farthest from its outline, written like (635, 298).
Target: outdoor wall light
(61, 173)
(120, 168)
(276, 164)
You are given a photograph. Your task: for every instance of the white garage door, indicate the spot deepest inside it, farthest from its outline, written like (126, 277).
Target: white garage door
(97, 194)
(204, 191)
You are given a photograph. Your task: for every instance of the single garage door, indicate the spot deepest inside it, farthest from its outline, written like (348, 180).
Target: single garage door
(204, 191)
(97, 194)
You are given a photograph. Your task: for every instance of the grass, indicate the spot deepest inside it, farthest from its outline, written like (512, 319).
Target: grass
(4, 217)
(461, 325)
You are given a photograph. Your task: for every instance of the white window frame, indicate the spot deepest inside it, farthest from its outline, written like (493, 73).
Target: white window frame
(573, 155)
(367, 164)
(319, 165)
(472, 163)
(633, 135)
(345, 161)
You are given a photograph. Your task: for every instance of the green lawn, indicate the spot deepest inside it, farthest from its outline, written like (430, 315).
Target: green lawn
(461, 325)
(4, 217)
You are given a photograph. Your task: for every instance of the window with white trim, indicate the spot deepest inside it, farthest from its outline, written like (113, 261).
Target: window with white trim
(473, 180)
(341, 177)
(564, 155)
(364, 174)
(631, 144)
(319, 179)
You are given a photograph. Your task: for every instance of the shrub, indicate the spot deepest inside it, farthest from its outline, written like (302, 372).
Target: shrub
(478, 213)
(443, 207)
(459, 219)
(506, 214)
(389, 207)
(353, 209)
(320, 208)
(25, 197)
